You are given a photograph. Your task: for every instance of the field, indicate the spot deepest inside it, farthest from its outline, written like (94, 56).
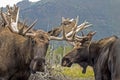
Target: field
(76, 72)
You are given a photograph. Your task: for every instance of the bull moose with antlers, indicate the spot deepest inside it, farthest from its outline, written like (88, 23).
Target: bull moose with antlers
(22, 49)
(102, 55)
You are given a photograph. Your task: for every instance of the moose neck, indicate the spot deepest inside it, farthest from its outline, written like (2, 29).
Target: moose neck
(93, 53)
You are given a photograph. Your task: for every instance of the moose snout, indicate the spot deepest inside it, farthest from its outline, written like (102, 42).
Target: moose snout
(66, 62)
(37, 65)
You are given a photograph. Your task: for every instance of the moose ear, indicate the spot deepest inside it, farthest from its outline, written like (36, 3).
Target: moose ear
(33, 42)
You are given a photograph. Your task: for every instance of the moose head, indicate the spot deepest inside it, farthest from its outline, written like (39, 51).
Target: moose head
(80, 51)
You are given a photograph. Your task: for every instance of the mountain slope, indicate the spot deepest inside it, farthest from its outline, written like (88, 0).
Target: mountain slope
(103, 14)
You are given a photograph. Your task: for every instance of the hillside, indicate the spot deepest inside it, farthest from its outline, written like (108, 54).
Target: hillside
(103, 14)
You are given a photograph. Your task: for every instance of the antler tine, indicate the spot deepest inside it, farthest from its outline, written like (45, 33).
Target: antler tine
(8, 9)
(63, 32)
(87, 37)
(15, 7)
(79, 41)
(2, 16)
(83, 26)
(17, 17)
(14, 23)
(79, 28)
(22, 28)
(30, 27)
(91, 34)
(74, 29)
(5, 19)
(77, 21)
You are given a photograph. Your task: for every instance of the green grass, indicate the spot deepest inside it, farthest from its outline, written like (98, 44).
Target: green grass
(76, 72)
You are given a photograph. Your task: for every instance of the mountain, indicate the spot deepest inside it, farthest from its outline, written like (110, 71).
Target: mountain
(103, 14)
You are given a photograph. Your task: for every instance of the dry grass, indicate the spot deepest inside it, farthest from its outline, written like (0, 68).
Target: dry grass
(60, 73)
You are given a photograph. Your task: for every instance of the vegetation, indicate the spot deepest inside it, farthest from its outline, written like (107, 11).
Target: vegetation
(76, 72)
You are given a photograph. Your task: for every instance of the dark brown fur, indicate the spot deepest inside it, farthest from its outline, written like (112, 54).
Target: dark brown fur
(101, 55)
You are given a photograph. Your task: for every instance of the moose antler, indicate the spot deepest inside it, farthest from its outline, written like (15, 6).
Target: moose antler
(2, 17)
(30, 27)
(67, 25)
(72, 36)
(14, 16)
(10, 18)
(82, 26)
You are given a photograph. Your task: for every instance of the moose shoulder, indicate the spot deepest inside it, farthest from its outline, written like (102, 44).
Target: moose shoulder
(102, 55)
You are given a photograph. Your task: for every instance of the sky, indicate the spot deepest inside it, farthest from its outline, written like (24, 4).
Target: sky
(3, 3)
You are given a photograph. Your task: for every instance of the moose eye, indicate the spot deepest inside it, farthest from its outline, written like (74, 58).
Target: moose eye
(39, 64)
(80, 49)
(41, 37)
(66, 23)
(86, 39)
(33, 42)
(67, 60)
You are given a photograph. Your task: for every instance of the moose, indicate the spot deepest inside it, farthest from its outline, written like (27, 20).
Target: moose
(22, 49)
(102, 55)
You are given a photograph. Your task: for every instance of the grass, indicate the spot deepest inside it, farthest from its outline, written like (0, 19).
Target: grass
(76, 72)
(63, 73)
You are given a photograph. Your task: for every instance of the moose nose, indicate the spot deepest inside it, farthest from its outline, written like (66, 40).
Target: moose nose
(32, 71)
(37, 64)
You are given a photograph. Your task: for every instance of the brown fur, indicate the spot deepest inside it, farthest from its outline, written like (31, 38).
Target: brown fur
(17, 52)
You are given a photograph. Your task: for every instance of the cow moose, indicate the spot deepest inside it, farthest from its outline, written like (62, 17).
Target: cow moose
(102, 55)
